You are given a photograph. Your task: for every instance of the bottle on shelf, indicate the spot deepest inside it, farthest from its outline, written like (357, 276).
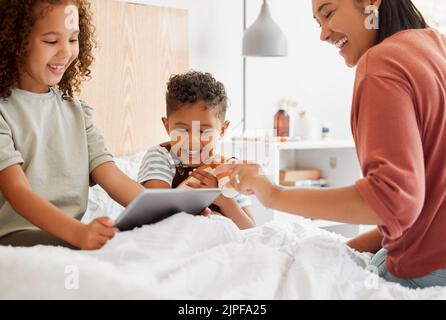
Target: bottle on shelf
(325, 134)
(282, 122)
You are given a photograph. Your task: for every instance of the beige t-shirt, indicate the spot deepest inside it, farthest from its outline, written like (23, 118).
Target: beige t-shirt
(58, 147)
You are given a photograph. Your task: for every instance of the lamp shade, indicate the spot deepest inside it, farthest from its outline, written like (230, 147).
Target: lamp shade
(265, 38)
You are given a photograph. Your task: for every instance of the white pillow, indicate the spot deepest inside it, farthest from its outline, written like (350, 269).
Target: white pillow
(99, 202)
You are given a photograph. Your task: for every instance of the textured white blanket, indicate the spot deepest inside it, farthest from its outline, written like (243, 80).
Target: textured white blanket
(188, 257)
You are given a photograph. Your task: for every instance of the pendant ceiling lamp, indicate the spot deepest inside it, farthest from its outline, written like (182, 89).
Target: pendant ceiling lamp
(265, 38)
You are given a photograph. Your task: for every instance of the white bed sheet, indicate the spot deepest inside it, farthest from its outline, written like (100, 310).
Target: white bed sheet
(190, 257)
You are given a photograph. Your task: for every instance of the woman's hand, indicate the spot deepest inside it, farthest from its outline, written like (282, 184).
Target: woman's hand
(95, 235)
(367, 242)
(244, 177)
(206, 180)
(250, 179)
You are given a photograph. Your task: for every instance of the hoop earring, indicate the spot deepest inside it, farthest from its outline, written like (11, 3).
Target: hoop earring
(372, 20)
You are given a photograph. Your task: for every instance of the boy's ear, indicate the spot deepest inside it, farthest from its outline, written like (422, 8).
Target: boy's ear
(166, 124)
(224, 128)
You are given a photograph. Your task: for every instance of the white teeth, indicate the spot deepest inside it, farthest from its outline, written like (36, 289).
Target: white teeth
(56, 67)
(341, 43)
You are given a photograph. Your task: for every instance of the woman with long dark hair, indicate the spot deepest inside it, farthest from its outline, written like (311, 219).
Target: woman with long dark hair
(398, 122)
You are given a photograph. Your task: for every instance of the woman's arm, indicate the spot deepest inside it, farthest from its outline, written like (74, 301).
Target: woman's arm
(119, 187)
(367, 242)
(342, 205)
(44, 215)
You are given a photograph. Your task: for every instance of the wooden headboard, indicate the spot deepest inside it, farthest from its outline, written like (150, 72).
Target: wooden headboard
(139, 47)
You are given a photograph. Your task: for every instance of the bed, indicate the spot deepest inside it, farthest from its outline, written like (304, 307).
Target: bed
(184, 256)
(193, 257)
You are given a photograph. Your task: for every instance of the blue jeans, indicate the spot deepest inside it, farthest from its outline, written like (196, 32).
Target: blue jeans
(436, 278)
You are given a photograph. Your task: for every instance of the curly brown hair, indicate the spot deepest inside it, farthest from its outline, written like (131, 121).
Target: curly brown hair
(193, 87)
(17, 17)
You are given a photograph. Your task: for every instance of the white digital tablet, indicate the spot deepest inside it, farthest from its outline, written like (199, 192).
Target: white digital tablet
(153, 205)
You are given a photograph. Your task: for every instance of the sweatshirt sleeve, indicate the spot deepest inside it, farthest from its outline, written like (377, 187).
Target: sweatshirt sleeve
(391, 153)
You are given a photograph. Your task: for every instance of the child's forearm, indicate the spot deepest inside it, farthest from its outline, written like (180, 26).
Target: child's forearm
(342, 205)
(232, 210)
(119, 187)
(127, 191)
(45, 215)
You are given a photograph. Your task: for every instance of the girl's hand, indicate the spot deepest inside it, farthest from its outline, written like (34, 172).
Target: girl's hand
(206, 180)
(96, 234)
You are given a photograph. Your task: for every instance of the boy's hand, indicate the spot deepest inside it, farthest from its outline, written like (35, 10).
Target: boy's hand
(207, 180)
(96, 234)
(208, 212)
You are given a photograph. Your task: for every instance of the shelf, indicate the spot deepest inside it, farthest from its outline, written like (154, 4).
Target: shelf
(299, 145)
(320, 144)
(337, 161)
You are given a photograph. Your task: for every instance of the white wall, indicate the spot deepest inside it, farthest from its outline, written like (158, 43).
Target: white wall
(434, 11)
(313, 74)
(215, 33)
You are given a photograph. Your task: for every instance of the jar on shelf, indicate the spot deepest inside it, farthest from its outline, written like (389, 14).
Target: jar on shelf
(307, 127)
(325, 132)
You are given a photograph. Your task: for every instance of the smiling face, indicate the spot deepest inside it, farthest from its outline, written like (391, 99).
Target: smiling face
(194, 130)
(343, 24)
(52, 47)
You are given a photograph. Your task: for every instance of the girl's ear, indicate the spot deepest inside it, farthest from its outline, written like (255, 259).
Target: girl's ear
(166, 124)
(224, 128)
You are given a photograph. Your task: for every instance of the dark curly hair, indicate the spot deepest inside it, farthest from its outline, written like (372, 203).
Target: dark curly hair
(193, 87)
(17, 17)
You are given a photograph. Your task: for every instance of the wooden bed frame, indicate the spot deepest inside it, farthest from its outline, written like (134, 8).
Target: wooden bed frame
(139, 47)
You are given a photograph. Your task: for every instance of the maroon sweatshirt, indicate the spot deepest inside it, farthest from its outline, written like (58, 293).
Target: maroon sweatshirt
(399, 125)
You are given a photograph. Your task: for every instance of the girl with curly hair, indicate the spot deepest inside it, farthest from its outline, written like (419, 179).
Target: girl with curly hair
(50, 151)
